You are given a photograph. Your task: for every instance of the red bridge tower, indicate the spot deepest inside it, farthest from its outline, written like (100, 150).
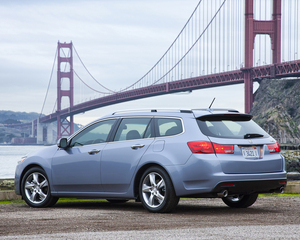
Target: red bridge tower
(65, 127)
(253, 27)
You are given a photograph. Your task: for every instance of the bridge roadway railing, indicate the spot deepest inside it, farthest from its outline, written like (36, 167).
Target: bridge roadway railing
(281, 70)
(213, 80)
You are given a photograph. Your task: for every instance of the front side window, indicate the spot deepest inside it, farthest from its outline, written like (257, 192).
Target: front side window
(133, 128)
(230, 127)
(96, 133)
(169, 126)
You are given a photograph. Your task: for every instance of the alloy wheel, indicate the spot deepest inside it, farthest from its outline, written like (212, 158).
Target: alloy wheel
(153, 190)
(36, 188)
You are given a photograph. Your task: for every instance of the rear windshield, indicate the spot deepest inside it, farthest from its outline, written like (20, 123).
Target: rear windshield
(230, 126)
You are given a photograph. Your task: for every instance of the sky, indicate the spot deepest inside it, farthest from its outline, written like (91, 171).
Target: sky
(118, 41)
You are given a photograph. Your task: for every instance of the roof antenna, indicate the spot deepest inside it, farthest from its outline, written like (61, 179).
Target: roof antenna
(211, 103)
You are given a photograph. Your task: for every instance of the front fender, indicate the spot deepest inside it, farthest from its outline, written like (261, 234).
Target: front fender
(41, 158)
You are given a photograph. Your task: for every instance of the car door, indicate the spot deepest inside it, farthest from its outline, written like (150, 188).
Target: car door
(121, 156)
(77, 168)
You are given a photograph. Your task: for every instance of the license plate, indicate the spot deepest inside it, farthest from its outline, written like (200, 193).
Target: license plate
(250, 152)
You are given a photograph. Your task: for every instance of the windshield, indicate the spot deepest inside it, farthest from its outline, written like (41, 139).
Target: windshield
(230, 127)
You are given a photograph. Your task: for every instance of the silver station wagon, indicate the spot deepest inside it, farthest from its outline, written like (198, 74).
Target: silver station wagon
(156, 157)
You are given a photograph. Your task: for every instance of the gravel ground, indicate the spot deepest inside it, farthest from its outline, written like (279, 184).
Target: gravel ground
(268, 218)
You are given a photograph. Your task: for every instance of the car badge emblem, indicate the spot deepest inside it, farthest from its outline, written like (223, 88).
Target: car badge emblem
(250, 141)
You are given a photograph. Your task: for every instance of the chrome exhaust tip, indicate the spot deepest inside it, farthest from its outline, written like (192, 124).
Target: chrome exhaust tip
(223, 194)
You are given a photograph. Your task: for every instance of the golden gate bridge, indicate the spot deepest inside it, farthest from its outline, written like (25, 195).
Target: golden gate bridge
(224, 42)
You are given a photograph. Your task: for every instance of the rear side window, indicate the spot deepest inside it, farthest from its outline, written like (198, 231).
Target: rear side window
(168, 126)
(133, 128)
(230, 126)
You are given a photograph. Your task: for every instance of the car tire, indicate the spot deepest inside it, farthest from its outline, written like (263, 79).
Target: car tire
(156, 191)
(240, 201)
(35, 189)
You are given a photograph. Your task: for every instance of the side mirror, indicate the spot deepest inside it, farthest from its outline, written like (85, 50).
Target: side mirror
(62, 143)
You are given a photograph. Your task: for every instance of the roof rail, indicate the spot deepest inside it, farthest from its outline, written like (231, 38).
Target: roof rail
(153, 110)
(216, 110)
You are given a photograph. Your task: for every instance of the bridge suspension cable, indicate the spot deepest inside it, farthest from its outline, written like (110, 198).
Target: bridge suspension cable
(167, 49)
(90, 75)
(49, 82)
(179, 62)
(89, 85)
(191, 46)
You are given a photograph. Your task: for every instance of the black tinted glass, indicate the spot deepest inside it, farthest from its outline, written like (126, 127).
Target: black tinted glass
(230, 127)
(133, 128)
(169, 126)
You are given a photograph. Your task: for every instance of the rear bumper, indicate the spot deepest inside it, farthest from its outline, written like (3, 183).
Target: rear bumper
(243, 187)
(248, 187)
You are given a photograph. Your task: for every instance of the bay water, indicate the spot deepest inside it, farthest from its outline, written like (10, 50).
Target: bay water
(10, 155)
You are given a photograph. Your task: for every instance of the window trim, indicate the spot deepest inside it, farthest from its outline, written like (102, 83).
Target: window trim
(113, 131)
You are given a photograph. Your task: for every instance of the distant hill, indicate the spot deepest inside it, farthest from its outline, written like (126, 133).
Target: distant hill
(276, 108)
(8, 117)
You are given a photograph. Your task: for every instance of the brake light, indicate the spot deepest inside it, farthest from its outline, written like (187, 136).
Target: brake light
(201, 147)
(223, 148)
(208, 147)
(274, 148)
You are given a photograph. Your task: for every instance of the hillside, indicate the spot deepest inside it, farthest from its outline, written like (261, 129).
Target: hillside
(10, 117)
(7, 117)
(276, 109)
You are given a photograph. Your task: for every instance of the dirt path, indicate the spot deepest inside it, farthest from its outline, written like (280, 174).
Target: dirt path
(103, 216)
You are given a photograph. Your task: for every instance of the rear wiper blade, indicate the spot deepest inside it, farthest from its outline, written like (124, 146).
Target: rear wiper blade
(252, 135)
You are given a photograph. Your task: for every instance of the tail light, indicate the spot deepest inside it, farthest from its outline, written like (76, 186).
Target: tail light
(223, 148)
(208, 147)
(201, 147)
(274, 148)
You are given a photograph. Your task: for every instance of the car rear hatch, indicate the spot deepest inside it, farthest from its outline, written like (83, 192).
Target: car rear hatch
(240, 144)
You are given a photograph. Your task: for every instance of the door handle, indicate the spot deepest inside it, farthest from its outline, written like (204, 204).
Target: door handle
(94, 151)
(137, 146)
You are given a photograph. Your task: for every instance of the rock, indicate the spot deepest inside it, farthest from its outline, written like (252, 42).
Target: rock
(292, 160)
(7, 184)
(293, 176)
(276, 108)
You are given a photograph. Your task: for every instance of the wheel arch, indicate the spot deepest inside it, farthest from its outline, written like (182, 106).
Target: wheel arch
(139, 174)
